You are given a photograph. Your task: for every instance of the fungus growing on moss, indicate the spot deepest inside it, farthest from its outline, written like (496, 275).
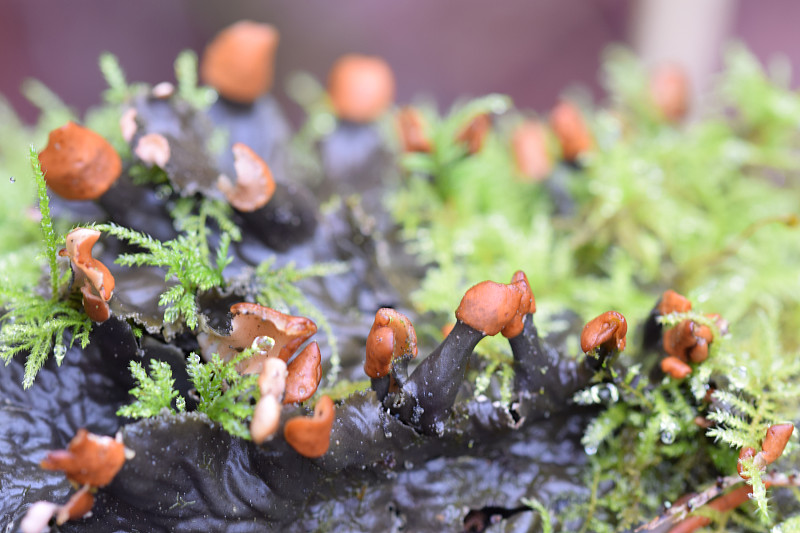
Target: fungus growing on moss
(605, 332)
(529, 144)
(251, 320)
(254, 182)
(688, 341)
(267, 413)
(675, 368)
(239, 62)
(572, 132)
(361, 88)
(311, 437)
(669, 91)
(92, 276)
(305, 373)
(412, 130)
(672, 302)
(775, 441)
(473, 135)
(527, 304)
(78, 163)
(88, 460)
(153, 149)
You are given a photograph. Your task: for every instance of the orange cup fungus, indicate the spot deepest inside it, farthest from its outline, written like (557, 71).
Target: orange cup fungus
(572, 132)
(79, 164)
(529, 144)
(311, 437)
(361, 88)
(606, 331)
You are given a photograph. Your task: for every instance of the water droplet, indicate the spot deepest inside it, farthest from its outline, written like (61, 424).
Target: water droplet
(408, 465)
(59, 351)
(12, 179)
(590, 450)
(667, 437)
(301, 391)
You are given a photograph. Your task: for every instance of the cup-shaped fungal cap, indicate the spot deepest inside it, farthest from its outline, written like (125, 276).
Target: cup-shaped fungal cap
(775, 441)
(688, 341)
(266, 419)
(95, 306)
(305, 373)
(412, 129)
(311, 437)
(153, 149)
(670, 92)
(392, 336)
(489, 307)
(531, 155)
(88, 460)
(240, 62)
(572, 132)
(746, 453)
(607, 331)
(79, 164)
(672, 302)
(675, 368)
(79, 244)
(527, 304)
(76, 507)
(473, 135)
(254, 182)
(251, 320)
(361, 88)
(272, 380)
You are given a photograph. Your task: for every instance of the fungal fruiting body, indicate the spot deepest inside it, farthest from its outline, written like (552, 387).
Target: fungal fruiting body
(92, 277)
(361, 88)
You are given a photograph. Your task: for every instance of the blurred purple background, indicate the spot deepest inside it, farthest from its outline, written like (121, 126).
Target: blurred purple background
(530, 50)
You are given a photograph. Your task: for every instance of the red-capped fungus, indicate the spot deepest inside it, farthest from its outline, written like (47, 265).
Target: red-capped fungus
(254, 182)
(527, 304)
(153, 149)
(413, 133)
(251, 320)
(304, 375)
(240, 62)
(606, 331)
(531, 154)
(675, 368)
(489, 307)
(775, 441)
(672, 302)
(572, 132)
(688, 341)
(78, 506)
(311, 437)
(88, 460)
(670, 91)
(361, 88)
(392, 336)
(473, 135)
(92, 276)
(79, 164)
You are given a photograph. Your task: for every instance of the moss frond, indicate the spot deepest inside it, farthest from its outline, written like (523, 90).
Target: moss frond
(154, 393)
(186, 75)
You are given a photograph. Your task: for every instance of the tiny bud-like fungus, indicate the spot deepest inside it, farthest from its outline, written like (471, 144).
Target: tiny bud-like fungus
(529, 143)
(361, 88)
(745, 453)
(88, 460)
(254, 182)
(392, 336)
(240, 62)
(92, 276)
(305, 373)
(572, 132)
(672, 302)
(775, 441)
(606, 331)
(675, 368)
(127, 124)
(272, 380)
(669, 91)
(413, 134)
(688, 341)
(79, 164)
(266, 419)
(311, 437)
(153, 149)
(473, 135)
(527, 304)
